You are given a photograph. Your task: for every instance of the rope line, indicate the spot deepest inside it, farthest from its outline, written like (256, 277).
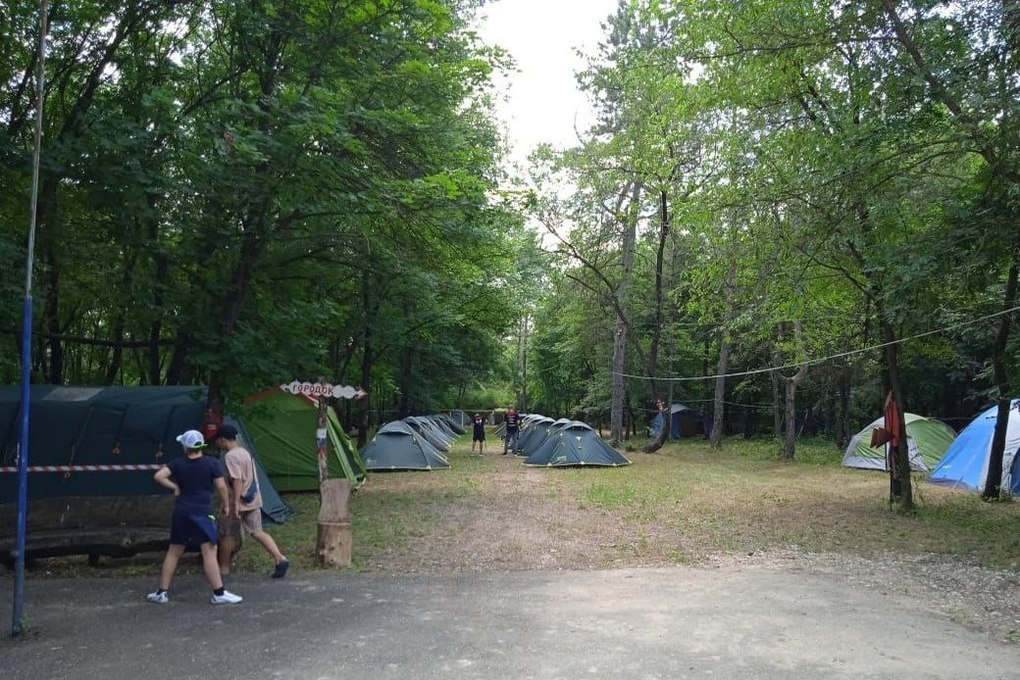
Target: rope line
(841, 355)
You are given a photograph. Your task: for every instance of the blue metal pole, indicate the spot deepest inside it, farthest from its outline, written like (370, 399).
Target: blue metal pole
(17, 625)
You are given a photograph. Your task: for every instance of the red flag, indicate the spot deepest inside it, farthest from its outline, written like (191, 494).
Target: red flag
(892, 419)
(880, 437)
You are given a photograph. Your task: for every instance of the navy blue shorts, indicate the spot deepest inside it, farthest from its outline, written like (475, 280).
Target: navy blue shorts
(192, 529)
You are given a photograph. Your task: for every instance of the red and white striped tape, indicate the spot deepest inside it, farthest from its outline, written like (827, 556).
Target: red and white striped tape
(81, 468)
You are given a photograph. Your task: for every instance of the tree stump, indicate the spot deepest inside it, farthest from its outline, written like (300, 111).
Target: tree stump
(334, 544)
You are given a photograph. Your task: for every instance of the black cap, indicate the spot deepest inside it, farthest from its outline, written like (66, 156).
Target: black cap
(225, 432)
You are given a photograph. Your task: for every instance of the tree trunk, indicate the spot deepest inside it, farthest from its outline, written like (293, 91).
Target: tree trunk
(718, 402)
(619, 357)
(658, 319)
(616, 433)
(790, 433)
(777, 402)
(665, 411)
(993, 481)
(790, 393)
(366, 379)
(523, 401)
(371, 307)
(900, 486)
(842, 415)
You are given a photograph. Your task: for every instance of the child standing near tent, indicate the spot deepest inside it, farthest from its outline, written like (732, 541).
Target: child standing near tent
(193, 479)
(479, 433)
(245, 507)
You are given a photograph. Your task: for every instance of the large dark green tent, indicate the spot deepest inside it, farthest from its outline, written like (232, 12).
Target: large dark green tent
(104, 441)
(92, 454)
(283, 427)
(132, 428)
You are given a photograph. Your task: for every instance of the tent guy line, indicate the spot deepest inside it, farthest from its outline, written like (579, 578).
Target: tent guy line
(809, 362)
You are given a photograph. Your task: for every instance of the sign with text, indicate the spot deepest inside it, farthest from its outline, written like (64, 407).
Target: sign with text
(314, 389)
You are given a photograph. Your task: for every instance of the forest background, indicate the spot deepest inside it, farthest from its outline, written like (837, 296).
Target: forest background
(786, 211)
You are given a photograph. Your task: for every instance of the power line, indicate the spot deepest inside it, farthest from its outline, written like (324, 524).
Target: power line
(809, 362)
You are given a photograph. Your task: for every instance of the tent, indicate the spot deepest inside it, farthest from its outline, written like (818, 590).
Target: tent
(133, 427)
(686, 422)
(533, 435)
(575, 444)
(283, 426)
(428, 430)
(396, 446)
(92, 455)
(927, 441)
(965, 463)
(458, 421)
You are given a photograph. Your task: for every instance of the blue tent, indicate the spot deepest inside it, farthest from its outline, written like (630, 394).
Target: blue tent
(965, 463)
(575, 445)
(686, 422)
(397, 446)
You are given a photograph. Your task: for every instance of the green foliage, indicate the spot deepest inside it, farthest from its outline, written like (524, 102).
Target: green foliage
(244, 194)
(814, 170)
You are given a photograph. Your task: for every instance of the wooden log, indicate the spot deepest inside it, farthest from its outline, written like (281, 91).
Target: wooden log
(334, 542)
(94, 542)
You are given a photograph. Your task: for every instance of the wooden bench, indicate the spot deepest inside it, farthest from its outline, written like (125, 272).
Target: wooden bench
(117, 526)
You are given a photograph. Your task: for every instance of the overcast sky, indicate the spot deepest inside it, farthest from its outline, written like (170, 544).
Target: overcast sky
(542, 100)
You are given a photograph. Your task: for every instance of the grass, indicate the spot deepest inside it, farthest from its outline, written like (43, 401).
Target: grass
(670, 507)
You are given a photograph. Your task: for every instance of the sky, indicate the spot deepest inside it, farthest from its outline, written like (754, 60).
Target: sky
(540, 102)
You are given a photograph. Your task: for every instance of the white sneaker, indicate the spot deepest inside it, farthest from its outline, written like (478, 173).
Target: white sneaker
(158, 597)
(226, 598)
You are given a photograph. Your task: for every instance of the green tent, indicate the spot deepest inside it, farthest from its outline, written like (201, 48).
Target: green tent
(283, 426)
(927, 441)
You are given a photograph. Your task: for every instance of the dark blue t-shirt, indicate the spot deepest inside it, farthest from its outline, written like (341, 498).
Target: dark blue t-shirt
(196, 478)
(512, 421)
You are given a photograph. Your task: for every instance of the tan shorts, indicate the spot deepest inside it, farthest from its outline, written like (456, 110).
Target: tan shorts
(251, 522)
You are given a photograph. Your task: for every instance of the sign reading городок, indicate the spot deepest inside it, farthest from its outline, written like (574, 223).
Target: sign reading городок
(311, 389)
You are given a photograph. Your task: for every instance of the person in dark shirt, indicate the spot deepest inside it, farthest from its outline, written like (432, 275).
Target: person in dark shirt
(479, 433)
(193, 479)
(513, 425)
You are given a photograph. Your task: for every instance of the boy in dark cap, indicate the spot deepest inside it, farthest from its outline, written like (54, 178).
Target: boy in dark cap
(245, 503)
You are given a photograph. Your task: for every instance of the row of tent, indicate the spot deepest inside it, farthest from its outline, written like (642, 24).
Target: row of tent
(414, 443)
(421, 443)
(545, 442)
(947, 458)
